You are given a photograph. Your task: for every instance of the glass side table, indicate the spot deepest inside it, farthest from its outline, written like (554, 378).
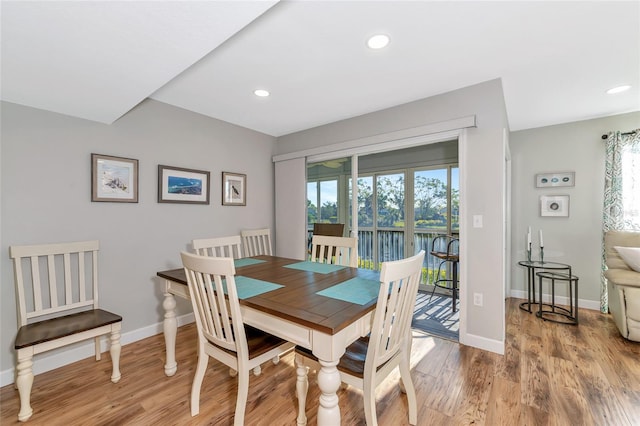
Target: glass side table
(554, 312)
(532, 266)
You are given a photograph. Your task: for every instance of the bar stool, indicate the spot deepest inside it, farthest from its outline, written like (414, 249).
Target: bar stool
(555, 313)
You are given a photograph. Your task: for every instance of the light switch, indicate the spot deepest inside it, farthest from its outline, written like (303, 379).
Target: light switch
(477, 221)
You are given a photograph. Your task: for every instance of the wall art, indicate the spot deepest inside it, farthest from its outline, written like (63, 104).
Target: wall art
(114, 179)
(179, 185)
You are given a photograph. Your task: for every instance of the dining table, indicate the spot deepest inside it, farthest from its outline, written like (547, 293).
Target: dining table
(321, 307)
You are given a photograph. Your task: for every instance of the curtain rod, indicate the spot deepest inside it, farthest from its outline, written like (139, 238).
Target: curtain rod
(623, 134)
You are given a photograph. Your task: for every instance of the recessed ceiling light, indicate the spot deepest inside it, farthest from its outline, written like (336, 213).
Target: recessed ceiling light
(261, 92)
(618, 89)
(378, 41)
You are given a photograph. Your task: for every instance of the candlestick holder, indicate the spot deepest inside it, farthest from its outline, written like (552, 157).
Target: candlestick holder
(541, 254)
(529, 254)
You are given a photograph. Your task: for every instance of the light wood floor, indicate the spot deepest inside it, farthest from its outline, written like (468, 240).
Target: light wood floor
(550, 375)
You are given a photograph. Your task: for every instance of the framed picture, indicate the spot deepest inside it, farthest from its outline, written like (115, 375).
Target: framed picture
(554, 205)
(555, 179)
(178, 185)
(114, 179)
(234, 189)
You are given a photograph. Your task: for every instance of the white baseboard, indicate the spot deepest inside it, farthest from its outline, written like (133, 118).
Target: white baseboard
(43, 363)
(480, 342)
(560, 300)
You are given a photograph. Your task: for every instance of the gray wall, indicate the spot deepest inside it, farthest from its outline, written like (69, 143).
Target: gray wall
(483, 175)
(576, 240)
(46, 185)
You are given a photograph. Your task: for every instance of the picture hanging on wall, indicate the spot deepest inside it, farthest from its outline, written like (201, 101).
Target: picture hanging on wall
(179, 185)
(114, 179)
(544, 180)
(234, 189)
(554, 205)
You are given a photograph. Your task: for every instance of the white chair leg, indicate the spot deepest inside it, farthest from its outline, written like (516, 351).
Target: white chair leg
(302, 387)
(232, 372)
(405, 374)
(369, 396)
(257, 370)
(24, 381)
(201, 368)
(114, 350)
(241, 402)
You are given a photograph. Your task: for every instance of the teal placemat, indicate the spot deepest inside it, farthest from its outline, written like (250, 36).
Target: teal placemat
(320, 268)
(249, 287)
(356, 290)
(246, 261)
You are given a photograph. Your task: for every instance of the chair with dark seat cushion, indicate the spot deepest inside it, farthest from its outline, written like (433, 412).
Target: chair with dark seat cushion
(370, 359)
(222, 335)
(57, 297)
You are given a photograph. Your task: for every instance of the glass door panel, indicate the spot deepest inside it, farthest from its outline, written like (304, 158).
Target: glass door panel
(390, 216)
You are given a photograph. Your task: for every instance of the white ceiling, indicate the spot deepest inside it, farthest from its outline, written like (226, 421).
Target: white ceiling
(99, 59)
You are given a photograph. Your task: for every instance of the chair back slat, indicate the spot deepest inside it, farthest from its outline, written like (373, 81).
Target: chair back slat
(53, 286)
(57, 278)
(256, 242)
(37, 286)
(391, 327)
(218, 317)
(219, 247)
(335, 250)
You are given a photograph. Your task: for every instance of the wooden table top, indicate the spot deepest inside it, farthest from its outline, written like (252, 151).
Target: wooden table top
(297, 301)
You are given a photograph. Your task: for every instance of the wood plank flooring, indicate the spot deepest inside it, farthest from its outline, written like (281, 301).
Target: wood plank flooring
(550, 374)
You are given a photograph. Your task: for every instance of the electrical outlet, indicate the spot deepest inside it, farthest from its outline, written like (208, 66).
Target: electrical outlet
(477, 299)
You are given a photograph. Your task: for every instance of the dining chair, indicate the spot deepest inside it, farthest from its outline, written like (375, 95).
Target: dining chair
(447, 249)
(256, 242)
(224, 247)
(219, 247)
(370, 359)
(57, 298)
(221, 333)
(335, 250)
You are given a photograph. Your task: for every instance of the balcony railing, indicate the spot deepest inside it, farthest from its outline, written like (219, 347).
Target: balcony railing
(391, 246)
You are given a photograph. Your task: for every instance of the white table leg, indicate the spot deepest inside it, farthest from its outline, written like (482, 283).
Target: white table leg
(328, 382)
(170, 331)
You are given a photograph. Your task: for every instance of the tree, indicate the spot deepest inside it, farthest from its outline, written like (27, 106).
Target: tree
(365, 202)
(312, 212)
(430, 202)
(390, 191)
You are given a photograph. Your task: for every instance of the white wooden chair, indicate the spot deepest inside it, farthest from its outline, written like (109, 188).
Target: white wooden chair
(224, 247)
(221, 332)
(370, 359)
(335, 250)
(55, 284)
(256, 242)
(219, 247)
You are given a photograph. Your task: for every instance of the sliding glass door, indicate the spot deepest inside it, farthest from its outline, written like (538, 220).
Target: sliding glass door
(400, 209)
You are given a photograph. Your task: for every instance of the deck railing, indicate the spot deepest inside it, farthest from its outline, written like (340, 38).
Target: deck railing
(391, 246)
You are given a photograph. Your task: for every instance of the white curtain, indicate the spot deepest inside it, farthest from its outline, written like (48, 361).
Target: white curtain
(621, 191)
